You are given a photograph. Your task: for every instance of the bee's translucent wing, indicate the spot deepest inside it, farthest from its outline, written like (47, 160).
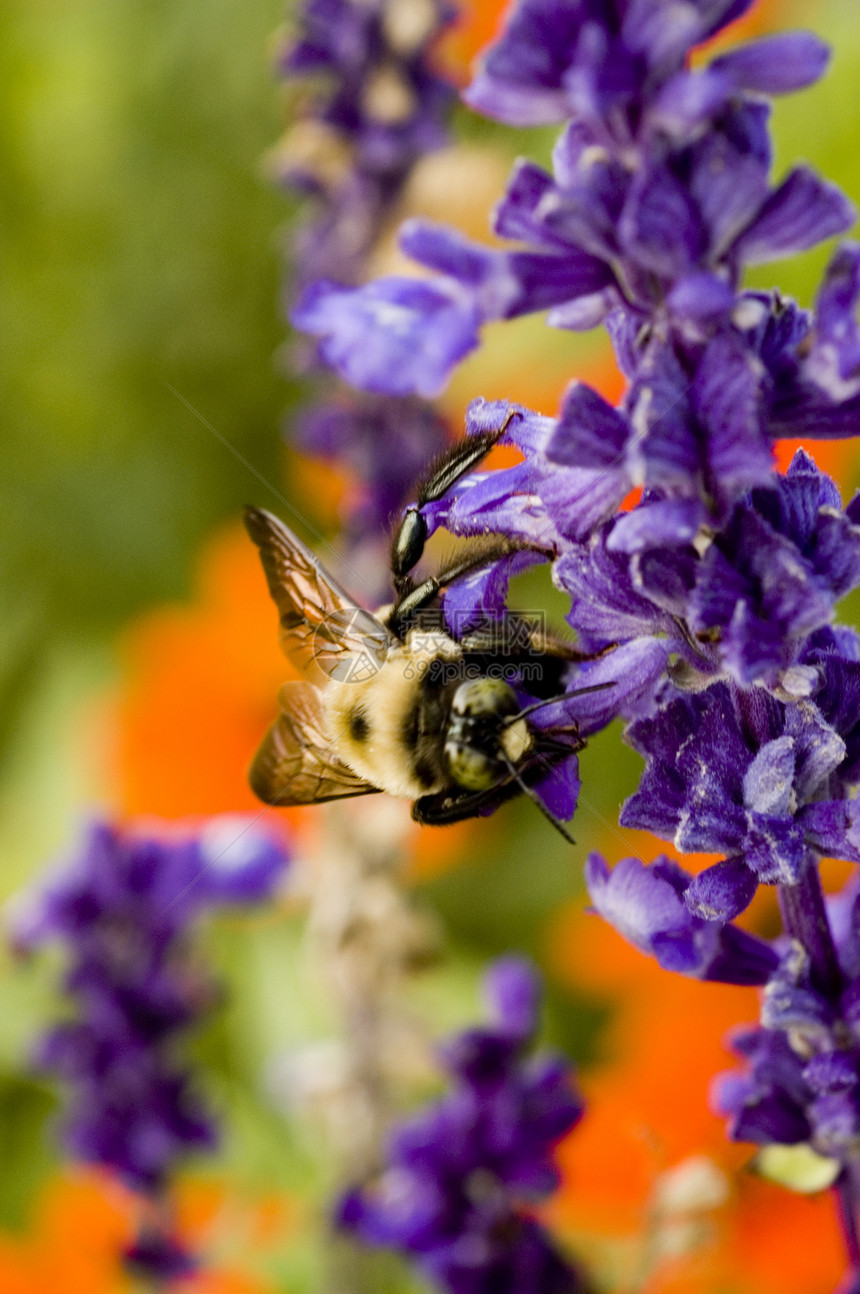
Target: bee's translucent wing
(295, 764)
(322, 629)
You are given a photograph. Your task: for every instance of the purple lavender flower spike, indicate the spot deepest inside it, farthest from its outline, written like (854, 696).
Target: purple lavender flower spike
(375, 107)
(458, 1174)
(123, 908)
(645, 904)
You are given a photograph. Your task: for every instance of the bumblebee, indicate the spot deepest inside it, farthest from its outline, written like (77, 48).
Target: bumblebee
(393, 701)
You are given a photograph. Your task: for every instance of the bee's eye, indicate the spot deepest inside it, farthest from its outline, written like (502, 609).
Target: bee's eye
(484, 696)
(471, 768)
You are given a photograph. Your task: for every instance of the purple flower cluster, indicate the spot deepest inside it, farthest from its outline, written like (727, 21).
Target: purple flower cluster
(123, 908)
(801, 1083)
(659, 197)
(713, 597)
(460, 1176)
(721, 578)
(802, 1077)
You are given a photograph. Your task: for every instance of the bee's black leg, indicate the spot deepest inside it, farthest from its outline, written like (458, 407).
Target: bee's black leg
(411, 534)
(415, 597)
(446, 807)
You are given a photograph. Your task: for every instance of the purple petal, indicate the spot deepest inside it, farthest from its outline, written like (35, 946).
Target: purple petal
(634, 899)
(447, 251)
(768, 782)
(578, 501)
(513, 990)
(516, 215)
(723, 891)
(400, 336)
(775, 64)
(662, 34)
(729, 169)
(837, 298)
(482, 595)
(541, 281)
(589, 431)
(687, 100)
(775, 849)
(529, 432)
(701, 297)
(240, 862)
(802, 212)
(660, 226)
(669, 523)
(659, 410)
(727, 399)
(833, 828)
(559, 790)
(605, 604)
(634, 670)
(586, 312)
(521, 79)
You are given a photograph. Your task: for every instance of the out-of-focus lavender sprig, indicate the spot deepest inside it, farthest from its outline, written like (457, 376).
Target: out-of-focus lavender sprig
(123, 908)
(377, 107)
(461, 1175)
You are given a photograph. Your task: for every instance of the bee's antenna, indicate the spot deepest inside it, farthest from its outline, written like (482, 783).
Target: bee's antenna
(535, 798)
(554, 700)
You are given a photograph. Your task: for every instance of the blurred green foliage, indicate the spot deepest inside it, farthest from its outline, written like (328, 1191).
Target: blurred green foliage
(140, 253)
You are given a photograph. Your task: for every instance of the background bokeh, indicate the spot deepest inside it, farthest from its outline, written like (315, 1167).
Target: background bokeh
(144, 397)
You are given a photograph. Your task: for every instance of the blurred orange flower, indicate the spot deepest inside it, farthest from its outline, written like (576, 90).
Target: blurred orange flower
(84, 1219)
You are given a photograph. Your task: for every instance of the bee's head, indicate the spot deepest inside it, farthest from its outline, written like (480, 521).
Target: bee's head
(481, 739)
